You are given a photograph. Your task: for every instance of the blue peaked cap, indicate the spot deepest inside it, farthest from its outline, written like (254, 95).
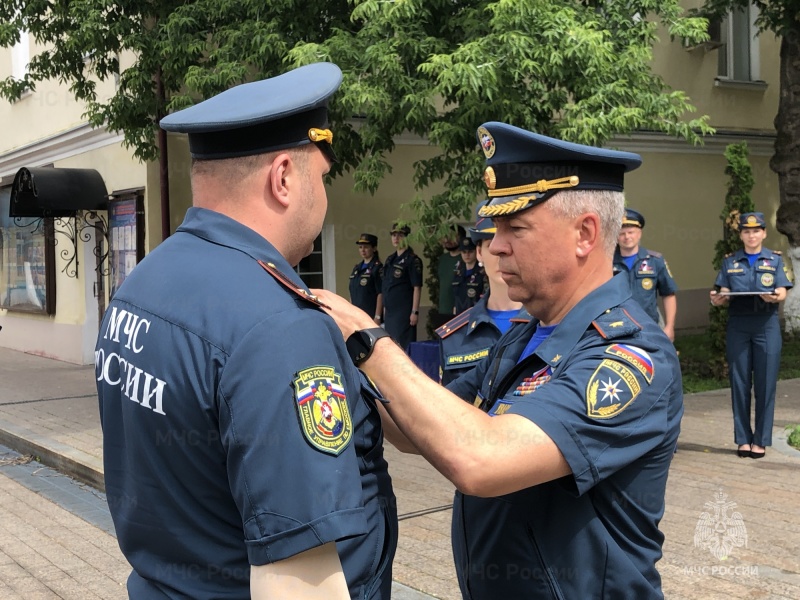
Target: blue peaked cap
(524, 169)
(484, 228)
(633, 217)
(262, 116)
(752, 220)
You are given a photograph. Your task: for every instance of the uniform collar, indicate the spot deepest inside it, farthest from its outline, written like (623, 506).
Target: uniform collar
(560, 343)
(642, 253)
(742, 255)
(220, 229)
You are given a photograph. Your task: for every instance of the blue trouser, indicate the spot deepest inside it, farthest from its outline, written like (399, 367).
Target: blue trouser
(754, 356)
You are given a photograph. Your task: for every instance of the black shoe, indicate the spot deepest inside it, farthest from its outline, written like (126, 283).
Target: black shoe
(757, 454)
(744, 453)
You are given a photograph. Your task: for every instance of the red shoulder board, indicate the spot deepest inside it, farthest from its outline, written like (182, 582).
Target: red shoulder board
(521, 318)
(454, 324)
(290, 285)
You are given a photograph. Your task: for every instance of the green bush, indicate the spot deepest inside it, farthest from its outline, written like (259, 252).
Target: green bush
(794, 436)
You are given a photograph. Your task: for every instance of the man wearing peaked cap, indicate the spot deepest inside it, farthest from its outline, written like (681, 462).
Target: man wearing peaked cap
(647, 272)
(468, 338)
(402, 288)
(366, 279)
(281, 489)
(566, 414)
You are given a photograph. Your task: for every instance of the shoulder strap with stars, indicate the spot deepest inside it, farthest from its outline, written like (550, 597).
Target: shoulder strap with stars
(454, 324)
(290, 285)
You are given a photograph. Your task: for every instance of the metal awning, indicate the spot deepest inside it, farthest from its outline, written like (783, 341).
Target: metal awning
(52, 192)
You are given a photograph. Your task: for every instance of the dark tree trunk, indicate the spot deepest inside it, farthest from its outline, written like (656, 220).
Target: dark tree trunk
(786, 160)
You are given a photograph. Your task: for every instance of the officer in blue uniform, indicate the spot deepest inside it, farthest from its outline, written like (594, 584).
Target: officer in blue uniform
(647, 271)
(237, 432)
(366, 280)
(402, 288)
(759, 280)
(562, 460)
(467, 339)
(469, 279)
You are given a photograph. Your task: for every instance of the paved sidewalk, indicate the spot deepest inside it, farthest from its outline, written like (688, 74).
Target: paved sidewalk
(48, 409)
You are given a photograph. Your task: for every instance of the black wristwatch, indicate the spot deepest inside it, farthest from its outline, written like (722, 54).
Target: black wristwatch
(361, 343)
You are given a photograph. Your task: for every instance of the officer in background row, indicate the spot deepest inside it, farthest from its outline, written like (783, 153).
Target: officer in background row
(469, 280)
(647, 271)
(402, 288)
(366, 280)
(242, 448)
(560, 440)
(467, 339)
(451, 244)
(758, 279)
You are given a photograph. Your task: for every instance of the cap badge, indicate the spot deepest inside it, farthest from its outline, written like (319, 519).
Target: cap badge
(320, 135)
(751, 220)
(487, 142)
(489, 178)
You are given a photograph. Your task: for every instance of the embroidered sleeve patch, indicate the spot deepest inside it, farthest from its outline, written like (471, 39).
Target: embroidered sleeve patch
(611, 389)
(322, 408)
(634, 355)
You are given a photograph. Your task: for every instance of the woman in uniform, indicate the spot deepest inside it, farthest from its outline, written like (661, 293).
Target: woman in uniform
(752, 281)
(366, 278)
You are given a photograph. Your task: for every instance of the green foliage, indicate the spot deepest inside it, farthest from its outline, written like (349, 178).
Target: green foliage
(778, 16)
(793, 437)
(436, 69)
(737, 201)
(698, 362)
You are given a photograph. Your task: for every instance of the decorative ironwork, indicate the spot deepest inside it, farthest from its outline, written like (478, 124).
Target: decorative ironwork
(77, 227)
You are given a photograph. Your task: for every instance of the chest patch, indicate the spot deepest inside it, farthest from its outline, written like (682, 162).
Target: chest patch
(611, 389)
(767, 279)
(647, 283)
(322, 408)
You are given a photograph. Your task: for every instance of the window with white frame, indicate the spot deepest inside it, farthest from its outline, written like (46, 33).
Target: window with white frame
(20, 56)
(738, 53)
(317, 269)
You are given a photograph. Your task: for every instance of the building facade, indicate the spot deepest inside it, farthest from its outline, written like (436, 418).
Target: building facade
(56, 274)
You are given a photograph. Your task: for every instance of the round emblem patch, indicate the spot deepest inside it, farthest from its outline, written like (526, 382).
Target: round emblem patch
(767, 279)
(398, 272)
(363, 281)
(471, 293)
(647, 283)
(487, 142)
(322, 408)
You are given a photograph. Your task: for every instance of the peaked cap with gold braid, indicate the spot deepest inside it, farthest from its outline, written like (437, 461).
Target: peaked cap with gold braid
(524, 169)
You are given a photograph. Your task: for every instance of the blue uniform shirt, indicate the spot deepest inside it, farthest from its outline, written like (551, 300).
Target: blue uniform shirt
(606, 388)
(649, 276)
(365, 285)
(764, 275)
(468, 286)
(236, 429)
(467, 339)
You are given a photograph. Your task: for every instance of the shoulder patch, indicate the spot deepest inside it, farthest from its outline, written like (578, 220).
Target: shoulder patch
(615, 323)
(290, 285)
(322, 409)
(454, 324)
(611, 389)
(634, 355)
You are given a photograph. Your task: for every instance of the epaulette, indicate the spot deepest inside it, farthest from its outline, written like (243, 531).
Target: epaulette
(522, 317)
(290, 285)
(616, 322)
(729, 255)
(778, 252)
(454, 324)
(654, 253)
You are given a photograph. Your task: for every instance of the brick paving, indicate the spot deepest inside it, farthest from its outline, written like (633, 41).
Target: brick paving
(49, 409)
